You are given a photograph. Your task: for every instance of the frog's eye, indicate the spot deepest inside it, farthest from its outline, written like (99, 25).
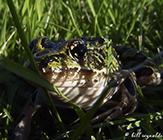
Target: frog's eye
(76, 50)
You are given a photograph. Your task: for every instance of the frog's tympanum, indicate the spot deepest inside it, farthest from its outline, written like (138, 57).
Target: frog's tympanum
(81, 68)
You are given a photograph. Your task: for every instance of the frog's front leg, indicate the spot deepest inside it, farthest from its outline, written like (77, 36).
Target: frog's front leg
(22, 130)
(124, 101)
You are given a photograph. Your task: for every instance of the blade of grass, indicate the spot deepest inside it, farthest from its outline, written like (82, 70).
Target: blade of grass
(73, 19)
(25, 6)
(4, 45)
(98, 27)
(134, 20)
(91, 7)
(95, 18)
(60, 27)
(111, 13)
(25, 73)
(40, 6)
(3, 30)
(7, 113)
(21, 34)
(33, 64)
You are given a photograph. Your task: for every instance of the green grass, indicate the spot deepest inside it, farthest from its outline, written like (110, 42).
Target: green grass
(133, 23)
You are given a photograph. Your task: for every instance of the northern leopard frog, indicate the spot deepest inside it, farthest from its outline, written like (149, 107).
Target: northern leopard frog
(81, 68)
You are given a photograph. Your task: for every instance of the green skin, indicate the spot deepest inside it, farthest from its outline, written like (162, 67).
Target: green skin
(81, 68)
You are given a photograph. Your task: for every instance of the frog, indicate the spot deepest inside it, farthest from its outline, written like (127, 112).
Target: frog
(81, 68)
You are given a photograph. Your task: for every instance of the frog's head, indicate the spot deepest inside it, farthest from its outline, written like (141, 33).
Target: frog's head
(77, 65)
(83, 52)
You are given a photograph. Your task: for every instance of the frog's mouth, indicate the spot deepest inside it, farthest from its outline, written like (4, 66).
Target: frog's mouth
(76, 77)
